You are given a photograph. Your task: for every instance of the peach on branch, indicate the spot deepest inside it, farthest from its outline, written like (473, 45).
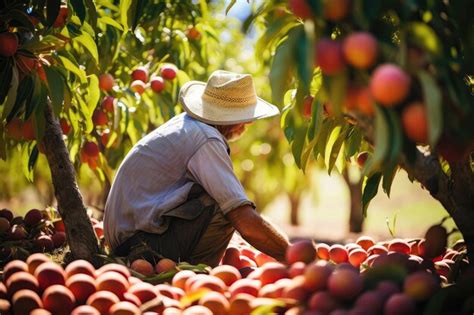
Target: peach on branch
(108, 104)
(415, 122)
(336, 10)
(193, 33)
(140, 73)
(106, 82)
(360, 49)
(61, 19)
(157, 84)
(301, 9)
(389, 85)
(138, 86)
(329, 56)
(99, 118)
(365, 102)
(65, 127)
(168, 72)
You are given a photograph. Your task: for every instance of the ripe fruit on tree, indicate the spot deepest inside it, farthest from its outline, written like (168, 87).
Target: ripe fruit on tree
(99, 118)
(65, 127)
(14, 129)
(106, 82)
(168, 72)
(336, 10)
(29, 130)
(8, 44)
(91, 149)
(365, 103)
(300, 8)
(140, 73)
(307, 106)
(25, 63)
(157, 84)
(362, 158)
(62, 17)
(360, 49)
(415, 122)
(389, 85)
(108, 104)
(329, 56)
(138, 86)
(192, 33)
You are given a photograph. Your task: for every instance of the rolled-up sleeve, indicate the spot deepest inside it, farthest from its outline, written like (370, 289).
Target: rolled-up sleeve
(212, 168)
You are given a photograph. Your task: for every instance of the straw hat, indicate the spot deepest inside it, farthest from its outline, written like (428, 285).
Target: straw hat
(227, 98)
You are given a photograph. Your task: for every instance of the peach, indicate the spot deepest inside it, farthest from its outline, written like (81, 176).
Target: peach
(300, 8)
(168, 72)
(389, 85)
(44, 243)
(387, 288)
(209, 282)
(399, 245)
(85, 310)
(165, 290)
(59, 239)
(134, 280)
(322, 251)
(370, 302)
(58, 300)
(24, 301)
(165, 265)
(177, 292)
(338, 253)
(140, 73)
(129, 297)
(377, 249)
(250, 253)
(247, 286)
(106, 82)
(336, 10)
(197, 310)
(296, 269)
(9, 44)
(82, 286)
(351, 246)
(157, 84)
(322, 302)
(102, 301)
(420, 285)
(360, 49)
(144, 291)
(34, 260)
(415, 122)
(138, 86)
(39, 311)
(113, 267)
(317, 275)
(170, 311)
(357, 257)
(365, 242)
(227, 273)
(365, 102)
(400, 303)
(3, 291)
(80, 266)
(345, 284)
(302, 250)
(143, 267)
(216, 302)
(48, 274)
(180, 278)
(99, 118)
(4, 226)
(296, 289)
(108, 104)
(7, 214)
(246, 262)
(112, 281)
(21, 280)
(442, 268)
(329, 56)
(59, 225)
(308, 107)
(124, 308)
(33, 217)
(240, 304)
(272, 272)
(271, 290)
(435, 241)
(231, 257)
(17, 232)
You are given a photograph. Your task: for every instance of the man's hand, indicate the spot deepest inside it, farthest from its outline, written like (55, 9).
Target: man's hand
(259, 232)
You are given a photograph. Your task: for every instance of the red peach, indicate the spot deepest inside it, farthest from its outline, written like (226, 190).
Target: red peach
(80, 266)
(300, 8)
(85, 310)
(336, 10)
(338, 253)
(13, 130)
(113, 267)
(138, 86)
(21, 280)
(231, 257)
(420, 285)
(33, 217)
(365, 242)
(377, 249)
(210, 282)
(317, 275)
(165, 265)
(389, 85)
(34, 260)
(323, 302)
(261, 259)
(112, 281)
(400, 303)
(216, 302)
(44, 243)
(415, 122)
(227, 273)
(180, 278)
(124, 308)
(165, 290)
(302, 250)
(399, 245)
(357, 257)
(345, 284)
(58, 300)
(248, 286)
(59, 239)
(108, 104)
(370, 302)
(329, 56)
(240, 304)
(322, 251)
(13, 267)
(140, 73)
(82, 286)
(168, 72)
(157, 84)
(143, 267)
(197, 310)
(99, 118)
(48, 274)
(25, 301)
(296, 269)
(8, 44)
(360, 49)
(106, 82)
(272, 272)
(102, 301)
(296, 289)
(250, 253)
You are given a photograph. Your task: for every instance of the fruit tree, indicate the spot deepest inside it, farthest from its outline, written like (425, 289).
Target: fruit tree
(390, 77)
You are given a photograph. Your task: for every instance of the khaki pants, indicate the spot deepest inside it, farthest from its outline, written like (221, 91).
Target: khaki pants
(198, 232)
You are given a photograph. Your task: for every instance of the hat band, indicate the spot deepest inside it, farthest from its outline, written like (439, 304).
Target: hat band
(227, 101)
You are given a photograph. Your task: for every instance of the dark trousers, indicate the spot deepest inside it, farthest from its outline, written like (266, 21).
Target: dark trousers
(198, 232)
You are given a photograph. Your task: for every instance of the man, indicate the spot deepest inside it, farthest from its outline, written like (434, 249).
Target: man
(176, 190)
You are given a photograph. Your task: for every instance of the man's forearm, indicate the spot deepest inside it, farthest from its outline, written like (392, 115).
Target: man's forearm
(267, 238)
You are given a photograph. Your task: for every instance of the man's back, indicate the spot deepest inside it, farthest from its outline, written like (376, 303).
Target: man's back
(153, 178)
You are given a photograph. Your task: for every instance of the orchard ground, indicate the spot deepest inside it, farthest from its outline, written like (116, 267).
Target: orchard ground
(324, 210)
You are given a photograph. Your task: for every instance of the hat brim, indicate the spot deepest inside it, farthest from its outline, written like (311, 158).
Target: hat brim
(191, 98)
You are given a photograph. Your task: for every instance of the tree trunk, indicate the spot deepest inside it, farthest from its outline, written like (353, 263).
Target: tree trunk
(356, 219)
(455, 192)
(294, 209)
(79, 231)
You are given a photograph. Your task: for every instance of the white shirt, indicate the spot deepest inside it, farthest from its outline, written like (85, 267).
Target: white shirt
(158, 172)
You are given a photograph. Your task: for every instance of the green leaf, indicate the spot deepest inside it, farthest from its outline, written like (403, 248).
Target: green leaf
(124, 8)
(110, 21)
(304, 58)
(33, 158)
(33, 99)
(396, 138)
(11, 95)
(336, 148)
(298, 144)
(68, 64)
(353, 142)
(26, 152)
(370, 191)
(434, 107)
(22, 18)
(3, 144)
(388, 176)
(423, 35)
(92, 12)
(337, 86)
(94, 92)
(138, 9)
(55, 87)
(6, 74)
(229, 6)
(326, 130)
(88, 42)
(79, 9)
(52, 11)
(381, 141)
(24, 92)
